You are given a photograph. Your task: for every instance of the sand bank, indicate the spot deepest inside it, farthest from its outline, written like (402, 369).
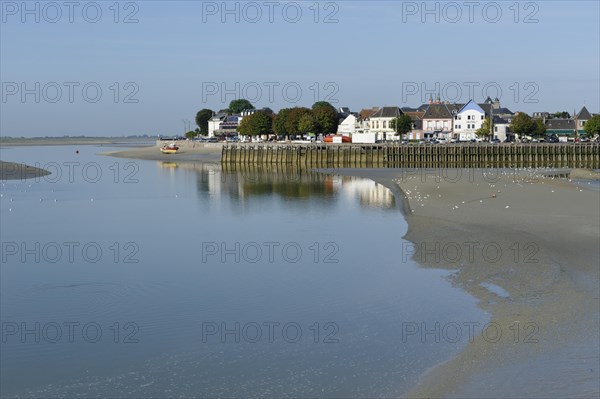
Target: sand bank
(200, 153)
(527, 247)
(18, 171)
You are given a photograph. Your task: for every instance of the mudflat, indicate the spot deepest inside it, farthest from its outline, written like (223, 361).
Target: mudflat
(526, 244)
(18, 171)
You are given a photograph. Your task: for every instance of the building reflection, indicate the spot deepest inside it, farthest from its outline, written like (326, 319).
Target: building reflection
(289, 183)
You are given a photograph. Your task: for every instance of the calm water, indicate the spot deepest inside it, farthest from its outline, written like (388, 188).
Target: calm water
(158, 279)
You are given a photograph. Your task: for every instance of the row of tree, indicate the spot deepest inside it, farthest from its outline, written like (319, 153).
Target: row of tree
(322, 118)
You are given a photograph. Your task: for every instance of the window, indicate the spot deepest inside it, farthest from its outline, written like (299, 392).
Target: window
(481, 117)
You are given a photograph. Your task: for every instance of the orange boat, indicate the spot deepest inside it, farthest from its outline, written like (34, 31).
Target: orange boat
(345, 139)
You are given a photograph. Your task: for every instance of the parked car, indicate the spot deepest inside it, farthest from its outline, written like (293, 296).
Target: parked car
(553, 138)
(495, 141)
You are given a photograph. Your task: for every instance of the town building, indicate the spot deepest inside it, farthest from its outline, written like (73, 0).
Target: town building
(380, 122)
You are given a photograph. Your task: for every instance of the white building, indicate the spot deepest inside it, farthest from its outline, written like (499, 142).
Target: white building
(468, 120)
(348, 125)
(380, 123)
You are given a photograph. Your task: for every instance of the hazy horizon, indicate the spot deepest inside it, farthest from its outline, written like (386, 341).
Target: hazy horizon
(132, 68)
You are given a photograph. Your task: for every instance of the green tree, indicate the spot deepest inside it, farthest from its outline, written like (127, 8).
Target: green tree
(256, 124)
(540, 128)
(237, 106)
(401, 124)
(320, 104)
(307, 124)
(326, 118)
(292, 121)
(592, 126)
(190, 135)
(523, 125)
(279, 122)
(202, 118)
(562, 115)
(484, 130)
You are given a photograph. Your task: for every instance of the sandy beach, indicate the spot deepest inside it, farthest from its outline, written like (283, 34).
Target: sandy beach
(17, 171)
(527, 247)
(200, 152)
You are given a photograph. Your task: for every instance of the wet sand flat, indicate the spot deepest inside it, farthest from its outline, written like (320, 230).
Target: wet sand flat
(17, 171)
(536, 238)
(200, 152)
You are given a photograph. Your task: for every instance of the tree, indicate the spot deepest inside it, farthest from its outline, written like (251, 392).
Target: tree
(522, 124)
(237, 106)
(307, 124)
(401, 124)
(202, 118)
(293, 120)
(256, 124)
(326, 118)
(561, 115)
(190, 135)
(592, 126)
(279, 122)
(540, 128)
(320, 104)
(484, 130)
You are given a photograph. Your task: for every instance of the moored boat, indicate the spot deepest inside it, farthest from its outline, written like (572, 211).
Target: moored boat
(169, 149)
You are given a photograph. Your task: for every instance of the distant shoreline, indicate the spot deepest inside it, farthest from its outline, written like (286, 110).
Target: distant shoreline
(19, 171)
(44, 141)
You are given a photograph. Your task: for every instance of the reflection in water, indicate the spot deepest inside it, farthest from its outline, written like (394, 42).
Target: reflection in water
(348, 270)
(247, 181)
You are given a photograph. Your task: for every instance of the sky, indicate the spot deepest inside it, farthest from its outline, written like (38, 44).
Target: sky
(110, 68)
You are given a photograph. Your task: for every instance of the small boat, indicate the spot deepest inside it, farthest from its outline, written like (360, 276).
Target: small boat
(169, 149)
(344, 139)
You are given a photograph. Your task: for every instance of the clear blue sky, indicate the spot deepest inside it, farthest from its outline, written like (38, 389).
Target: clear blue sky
(178, 56)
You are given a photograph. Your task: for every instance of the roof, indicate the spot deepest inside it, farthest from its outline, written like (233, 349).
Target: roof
(438, 111)
(415, 115)
(584, 114)
(560, 124)
(487, 108)
(367, 113)
(423, 107)
(408, 109)
(503, 111)
(471, 105)
(387, 112)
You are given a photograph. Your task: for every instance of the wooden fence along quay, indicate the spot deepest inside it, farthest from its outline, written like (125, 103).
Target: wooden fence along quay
(472, 155)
